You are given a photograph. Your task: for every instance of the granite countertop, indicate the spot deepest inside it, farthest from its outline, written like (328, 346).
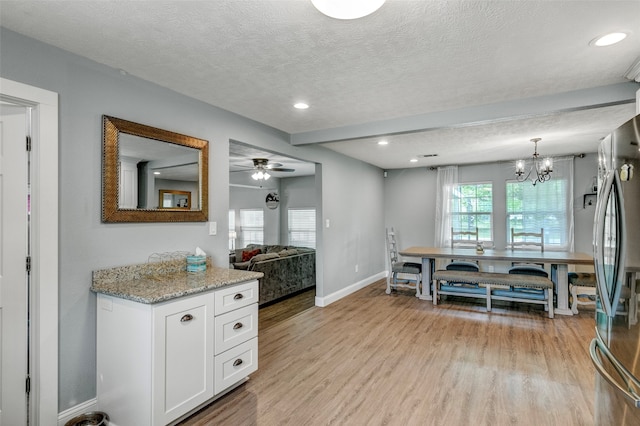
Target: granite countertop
(154, 283)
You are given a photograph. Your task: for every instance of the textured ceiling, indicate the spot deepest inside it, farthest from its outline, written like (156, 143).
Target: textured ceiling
(257, 58)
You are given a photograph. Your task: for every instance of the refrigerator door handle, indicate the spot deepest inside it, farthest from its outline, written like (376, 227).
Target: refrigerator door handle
(609, 298)
(625, 375)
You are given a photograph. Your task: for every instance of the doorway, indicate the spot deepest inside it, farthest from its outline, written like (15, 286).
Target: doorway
(14, 252)
(288, 205)
(29, 214)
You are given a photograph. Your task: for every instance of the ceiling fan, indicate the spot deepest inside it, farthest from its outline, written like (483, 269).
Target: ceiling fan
(262, 166)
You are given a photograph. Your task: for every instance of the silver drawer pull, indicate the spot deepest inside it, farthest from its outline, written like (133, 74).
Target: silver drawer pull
(186, 318)
(237, 362)
(238, 296)
(237, 325)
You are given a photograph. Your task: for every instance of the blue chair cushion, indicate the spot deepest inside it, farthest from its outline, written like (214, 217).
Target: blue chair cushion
(463, 288)
(463, 266)
(533, 294)
(529, 270)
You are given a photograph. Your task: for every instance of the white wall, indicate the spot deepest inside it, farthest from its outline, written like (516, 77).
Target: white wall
(351, 191)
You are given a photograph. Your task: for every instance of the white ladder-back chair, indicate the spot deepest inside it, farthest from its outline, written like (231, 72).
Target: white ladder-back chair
(467, 239)
(411, 271)
(527, 240)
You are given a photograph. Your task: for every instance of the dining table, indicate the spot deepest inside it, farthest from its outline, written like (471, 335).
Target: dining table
(559, 262)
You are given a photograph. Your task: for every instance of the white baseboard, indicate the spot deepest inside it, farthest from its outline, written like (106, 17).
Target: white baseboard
(329, 299)
(85, 407)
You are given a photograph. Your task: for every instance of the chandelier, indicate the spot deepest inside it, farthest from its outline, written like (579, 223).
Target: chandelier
(539, 169)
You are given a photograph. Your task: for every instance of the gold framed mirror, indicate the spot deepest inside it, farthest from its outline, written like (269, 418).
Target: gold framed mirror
(139, 160)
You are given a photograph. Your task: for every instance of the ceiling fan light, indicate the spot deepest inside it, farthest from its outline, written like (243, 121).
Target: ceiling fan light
(266, 176)
(347, 9)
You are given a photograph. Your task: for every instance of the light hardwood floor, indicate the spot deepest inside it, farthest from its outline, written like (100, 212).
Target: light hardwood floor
(377, 359)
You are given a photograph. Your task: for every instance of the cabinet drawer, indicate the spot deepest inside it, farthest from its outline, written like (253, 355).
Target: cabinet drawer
(235, 327)
(237, 296)
(235, 364)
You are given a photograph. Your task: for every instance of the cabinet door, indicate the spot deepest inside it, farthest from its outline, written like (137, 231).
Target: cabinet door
(183, 370)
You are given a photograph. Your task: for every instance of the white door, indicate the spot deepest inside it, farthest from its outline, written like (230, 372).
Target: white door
(13, 275)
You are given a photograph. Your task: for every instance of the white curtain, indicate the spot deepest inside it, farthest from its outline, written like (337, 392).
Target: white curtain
(563, 169)
(446, 181)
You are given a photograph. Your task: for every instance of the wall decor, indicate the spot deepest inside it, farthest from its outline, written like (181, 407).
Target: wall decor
(138, 161)
(272, 200)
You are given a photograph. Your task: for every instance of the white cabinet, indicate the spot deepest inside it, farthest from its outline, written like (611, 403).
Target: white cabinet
(236, 334)
(158, 362)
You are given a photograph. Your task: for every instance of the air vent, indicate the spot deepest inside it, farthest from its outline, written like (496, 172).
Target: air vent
(428, 155)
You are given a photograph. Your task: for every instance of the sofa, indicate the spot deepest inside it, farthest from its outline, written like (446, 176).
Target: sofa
(287, 269)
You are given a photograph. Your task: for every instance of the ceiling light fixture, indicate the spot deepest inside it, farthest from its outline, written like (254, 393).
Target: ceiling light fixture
(608, 39)
(413, 160)
(543, 168)
(347, 9)
(383, 143)
(260, 175)
(300, 105)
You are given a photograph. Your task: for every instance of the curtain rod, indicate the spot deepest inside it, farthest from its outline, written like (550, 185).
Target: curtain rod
(581, 155)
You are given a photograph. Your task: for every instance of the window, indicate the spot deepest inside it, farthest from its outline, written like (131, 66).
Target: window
(232, 229)
(530, 208)
(302, 227)
(252, 226)
(471, 207)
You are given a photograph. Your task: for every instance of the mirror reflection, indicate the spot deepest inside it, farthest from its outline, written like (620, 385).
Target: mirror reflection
(147, 165)
(142, 164)
(175, 199)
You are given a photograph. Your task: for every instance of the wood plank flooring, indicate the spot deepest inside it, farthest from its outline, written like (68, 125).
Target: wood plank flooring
(377, 359)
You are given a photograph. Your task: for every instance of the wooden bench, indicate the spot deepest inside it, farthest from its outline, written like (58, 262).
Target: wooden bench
(494, 286)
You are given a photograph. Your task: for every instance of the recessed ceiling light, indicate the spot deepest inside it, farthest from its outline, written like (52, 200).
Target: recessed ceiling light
(608, 39)
(300, 105)
(156, 173)
(383, 142)
(347, 9)
(413, 160)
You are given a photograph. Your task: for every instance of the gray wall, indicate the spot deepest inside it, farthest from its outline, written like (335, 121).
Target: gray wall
(254, 198)
(352, 191)
(296, 192)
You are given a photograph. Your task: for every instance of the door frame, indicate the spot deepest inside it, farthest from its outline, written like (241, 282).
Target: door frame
(44, 244)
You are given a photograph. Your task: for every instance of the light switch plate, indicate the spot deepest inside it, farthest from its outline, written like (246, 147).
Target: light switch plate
(213, 228)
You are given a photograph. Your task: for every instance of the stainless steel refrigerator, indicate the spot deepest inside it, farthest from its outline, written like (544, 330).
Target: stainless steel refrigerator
(615, 351)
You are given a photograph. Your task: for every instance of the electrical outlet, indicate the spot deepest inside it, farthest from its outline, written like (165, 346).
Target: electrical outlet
(213, 228)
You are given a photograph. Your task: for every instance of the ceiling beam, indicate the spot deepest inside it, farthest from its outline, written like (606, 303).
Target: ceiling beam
(597, 97)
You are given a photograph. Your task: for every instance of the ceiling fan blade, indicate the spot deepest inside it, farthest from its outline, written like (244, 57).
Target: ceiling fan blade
(280, 169)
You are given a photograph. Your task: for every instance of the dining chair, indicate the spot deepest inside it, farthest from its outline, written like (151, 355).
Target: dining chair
(398, 267)
(582, 286)
(463, 239)
(466, 239)
(527, 241)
